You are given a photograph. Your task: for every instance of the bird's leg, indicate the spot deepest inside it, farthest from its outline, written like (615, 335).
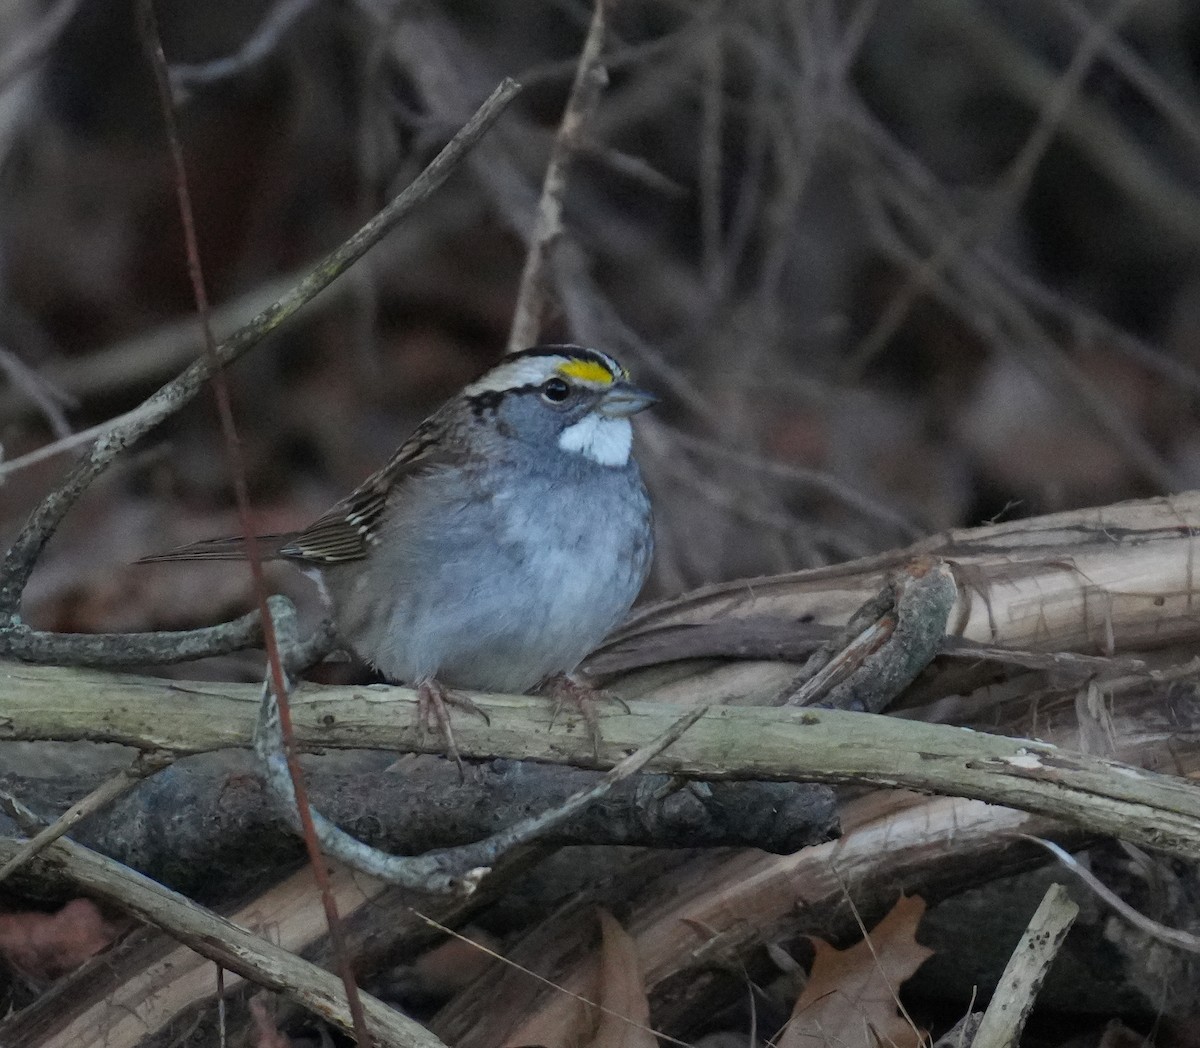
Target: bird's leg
(564, 689)
(433, 698)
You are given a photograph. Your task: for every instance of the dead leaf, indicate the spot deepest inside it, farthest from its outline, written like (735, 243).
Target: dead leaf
(266, 1033)
(850, 999)
(448, 967)
(622, 992)
(43, 946)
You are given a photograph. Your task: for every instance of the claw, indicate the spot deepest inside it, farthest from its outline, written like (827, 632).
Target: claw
(564, 689)
(433, 700)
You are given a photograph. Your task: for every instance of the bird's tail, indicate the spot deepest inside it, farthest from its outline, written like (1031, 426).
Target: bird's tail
(233, 548)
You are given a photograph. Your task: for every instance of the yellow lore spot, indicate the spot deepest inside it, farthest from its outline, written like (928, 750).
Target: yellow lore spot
(586, 371)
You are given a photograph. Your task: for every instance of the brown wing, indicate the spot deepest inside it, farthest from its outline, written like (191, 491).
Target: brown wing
(351, 527)
(233, 548)
(348, 530)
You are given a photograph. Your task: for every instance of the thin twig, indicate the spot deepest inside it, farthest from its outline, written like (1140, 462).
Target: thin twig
(36, 42)
(646, 54)
(152, 355)
(224, 942)
(590, 77)
(453, 871)
(70, 441)
(960, 1035)
(858, 26)
(1113, 151)
(1004, 1020)
(115, 650)
(1178, 112)
(596, 320)
(109, 790)
(22, 555)
(979, 297)
(431, 60)
(1175, 937)
(657, 1036)
(817, 480)
(152, 42)
(1010, 189)
(657, 441)
(265, 39)
(1086, 324)
(41, 392)
(710, 169)
(806, 745)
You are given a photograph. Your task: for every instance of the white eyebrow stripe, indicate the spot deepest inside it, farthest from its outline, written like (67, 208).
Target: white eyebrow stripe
(529, 371)
(534, 370)
(618, 371)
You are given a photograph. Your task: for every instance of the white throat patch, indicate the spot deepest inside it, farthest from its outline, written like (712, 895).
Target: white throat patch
(606, 441)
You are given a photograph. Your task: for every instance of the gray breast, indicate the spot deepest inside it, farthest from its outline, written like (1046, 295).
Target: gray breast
(496, 589)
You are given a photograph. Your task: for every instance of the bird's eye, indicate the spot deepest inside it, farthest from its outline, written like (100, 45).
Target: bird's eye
(556, 390)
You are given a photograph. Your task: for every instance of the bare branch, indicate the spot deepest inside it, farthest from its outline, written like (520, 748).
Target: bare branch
(265, 39)
(220, 940)
(455, 871)
(978, 296)
(590, 77)
(34, 44)
(47, 398)
(1004, 1020)
(70, 441)
(1175, 937)
(885, 645)
(820, 481)
(1141, 74)
(108, 791)
(21, 557)
(1010, 189)
(797, 745)
(152, 44)
(164, 648)
(213, 826)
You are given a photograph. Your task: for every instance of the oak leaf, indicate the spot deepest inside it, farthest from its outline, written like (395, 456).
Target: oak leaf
(850, 1000)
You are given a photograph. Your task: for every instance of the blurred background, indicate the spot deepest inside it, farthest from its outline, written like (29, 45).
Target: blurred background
(895, 266)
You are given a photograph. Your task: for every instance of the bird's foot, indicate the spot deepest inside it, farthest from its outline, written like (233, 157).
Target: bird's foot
(564, 689)
(433, 714)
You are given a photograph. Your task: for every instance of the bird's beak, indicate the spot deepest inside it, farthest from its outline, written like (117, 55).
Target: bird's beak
(622, 400)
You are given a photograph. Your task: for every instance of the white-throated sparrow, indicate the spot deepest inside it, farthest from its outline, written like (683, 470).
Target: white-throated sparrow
(503, 540)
